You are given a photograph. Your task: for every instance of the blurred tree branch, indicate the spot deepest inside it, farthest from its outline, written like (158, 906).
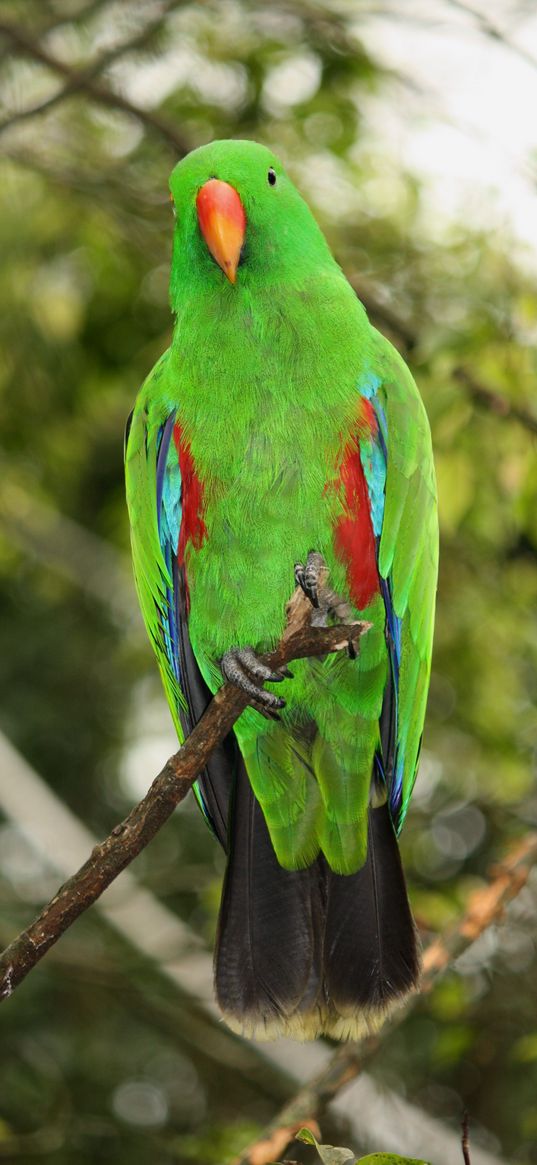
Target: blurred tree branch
(465, 1140)
(46, 535)
(490, 30)
(485, 906)
(485, 396)
(299, 640)
(85, 80)
(406, 339)
(58, 19)
(80, 79)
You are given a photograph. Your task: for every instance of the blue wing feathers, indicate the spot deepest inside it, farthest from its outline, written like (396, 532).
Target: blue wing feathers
(212, 787)
(168, 497)
(164, 437)
(374, 459)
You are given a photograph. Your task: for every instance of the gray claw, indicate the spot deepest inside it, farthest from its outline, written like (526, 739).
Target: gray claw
(299, 575)
(307, 577)
(235, 666)
(267, 713)
(254, 665)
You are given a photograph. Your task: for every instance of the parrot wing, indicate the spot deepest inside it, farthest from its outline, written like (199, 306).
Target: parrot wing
(154, 498)
(397, 461)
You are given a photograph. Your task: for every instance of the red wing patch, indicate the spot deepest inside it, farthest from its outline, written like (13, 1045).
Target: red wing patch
(193, 529)
(354, 538)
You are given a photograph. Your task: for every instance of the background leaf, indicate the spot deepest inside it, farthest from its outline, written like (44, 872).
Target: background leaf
(329, 1154)
(389, 1159)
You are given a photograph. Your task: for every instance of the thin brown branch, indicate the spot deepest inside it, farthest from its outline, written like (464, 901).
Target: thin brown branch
(97, 90)
(299, 641)
(465, 1140)
(484, 907)
(268, 1151)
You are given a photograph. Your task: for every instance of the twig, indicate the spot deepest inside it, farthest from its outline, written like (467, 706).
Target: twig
(465, 1140)
(493, 32)
(23, 42)
(299, 641)
(484, 907)
(79, 79)
(483, 395)
(55, 21)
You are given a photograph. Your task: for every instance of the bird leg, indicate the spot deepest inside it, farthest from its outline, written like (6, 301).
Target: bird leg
(326, 602)
(242, 667)
(309, 577)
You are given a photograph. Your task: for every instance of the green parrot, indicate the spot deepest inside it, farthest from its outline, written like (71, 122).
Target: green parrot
(281, 428)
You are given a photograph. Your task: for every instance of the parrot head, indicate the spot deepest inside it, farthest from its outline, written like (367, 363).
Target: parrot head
(239, 220)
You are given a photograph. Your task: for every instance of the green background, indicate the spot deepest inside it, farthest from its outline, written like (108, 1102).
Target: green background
(101, 1058)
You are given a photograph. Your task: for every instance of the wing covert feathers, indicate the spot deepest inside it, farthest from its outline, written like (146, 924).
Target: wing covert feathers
(407, 559)
(154, 496)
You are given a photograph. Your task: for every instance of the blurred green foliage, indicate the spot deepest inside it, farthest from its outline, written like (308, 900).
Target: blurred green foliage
(96, 1059)
(332, 1155)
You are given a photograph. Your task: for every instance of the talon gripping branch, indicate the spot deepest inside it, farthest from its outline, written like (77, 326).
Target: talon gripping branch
(280, 422)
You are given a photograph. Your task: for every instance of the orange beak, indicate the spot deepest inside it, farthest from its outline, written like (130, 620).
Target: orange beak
(222, 223)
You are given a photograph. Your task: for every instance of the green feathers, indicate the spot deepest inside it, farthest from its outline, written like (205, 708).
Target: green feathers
(267, 380)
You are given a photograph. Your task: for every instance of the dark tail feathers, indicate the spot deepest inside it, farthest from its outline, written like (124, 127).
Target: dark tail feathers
(309, 952)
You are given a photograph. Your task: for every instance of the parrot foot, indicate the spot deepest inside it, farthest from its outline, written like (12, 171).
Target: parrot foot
(242, 667)
(309, 576)
(327, 603)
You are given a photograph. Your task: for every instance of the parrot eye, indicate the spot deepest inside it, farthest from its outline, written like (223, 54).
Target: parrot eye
(271, 176)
